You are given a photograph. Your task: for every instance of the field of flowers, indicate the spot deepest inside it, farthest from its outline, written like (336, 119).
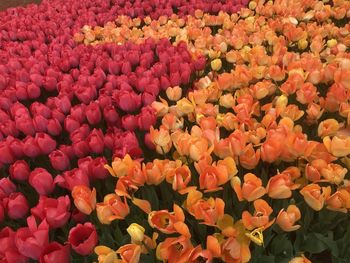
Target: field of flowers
(175, 131)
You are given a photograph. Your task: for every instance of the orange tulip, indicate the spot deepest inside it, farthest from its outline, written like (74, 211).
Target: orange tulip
(249, 158)
(175, 249)
(280, 186)
(153, 171)
(313, 169)
(161, 107)
(235, 250)
(211, 177)
(84, 199)
(122, 167)
(161, 139)
(328, 127)
(286, 219)
(334, 173)
(315, 196)
(179, 178)
(260, 218)
(251, 189)
(112, 208)
(338, 146)
(165, 221)
(130, 253)
(106, 255)
(174, 93)
(198, 254)
(339, 201)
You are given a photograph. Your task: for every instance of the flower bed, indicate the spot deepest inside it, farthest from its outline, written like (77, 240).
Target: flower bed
(175, 131)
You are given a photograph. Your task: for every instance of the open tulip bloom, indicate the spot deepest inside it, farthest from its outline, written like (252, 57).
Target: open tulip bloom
(175, 131)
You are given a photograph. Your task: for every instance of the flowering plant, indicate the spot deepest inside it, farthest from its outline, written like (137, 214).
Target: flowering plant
(175, 131)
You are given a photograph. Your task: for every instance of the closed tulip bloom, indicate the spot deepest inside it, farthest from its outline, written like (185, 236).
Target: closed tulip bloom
(84, 198)
(286, 219)
(339, 146)
(339, 201)
(16, 206)
(42, 181)
(250, 190)
(315, 196)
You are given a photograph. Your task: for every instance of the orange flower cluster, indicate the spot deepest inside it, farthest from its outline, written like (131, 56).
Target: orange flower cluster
(275, 96)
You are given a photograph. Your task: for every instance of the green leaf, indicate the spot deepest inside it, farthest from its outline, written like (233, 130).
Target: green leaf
(281, 245)
(313, 244)
(149, 194)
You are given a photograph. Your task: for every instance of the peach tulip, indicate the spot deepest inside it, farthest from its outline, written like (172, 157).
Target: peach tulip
(286, 219)
(315, 196)
(260, 218)
(251, 189)
(84, 199)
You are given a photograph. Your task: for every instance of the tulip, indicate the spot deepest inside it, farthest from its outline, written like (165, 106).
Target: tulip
(251, 189)
(41, 180)
(32, 240)
(17, 206)
(315, 196)
(7, 187)
(59, 160)
(287, 219)
(130, 253)
(260, 218)
(84, 198)
(54, 211)
(136, 232)
(45, 143)
(72, 178)
(83, 238)
(54, 253)
(93, 113)
(8, 249)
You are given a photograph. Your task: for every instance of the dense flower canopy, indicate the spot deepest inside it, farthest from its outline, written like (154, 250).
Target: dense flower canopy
(175, 131)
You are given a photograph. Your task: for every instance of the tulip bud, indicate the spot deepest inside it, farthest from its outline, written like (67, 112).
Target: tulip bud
(174, 93)
(19, 170)
(136, 232)
(17, 206)
(302, 44)
(216, 64)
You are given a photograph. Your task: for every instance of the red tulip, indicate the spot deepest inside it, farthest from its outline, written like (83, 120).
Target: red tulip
(55, 211)
(54, 127)
(72, 178)
(93, 113)
(40, 123)
(55, 253)
(129, 122)
(128, 101)
(95, 141)
(78, 113)
(71, 124)
(59, 160)
(146, 118)
(83, 238)
(16, 205)
(98, 171)
(25, 125)
(2, 213)
(6, 187)
(111, 115)
(6, 155)
(41, 180)
(8, 250)
(81, 148)
(45, 143)
(32, 240)
(19, 170)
